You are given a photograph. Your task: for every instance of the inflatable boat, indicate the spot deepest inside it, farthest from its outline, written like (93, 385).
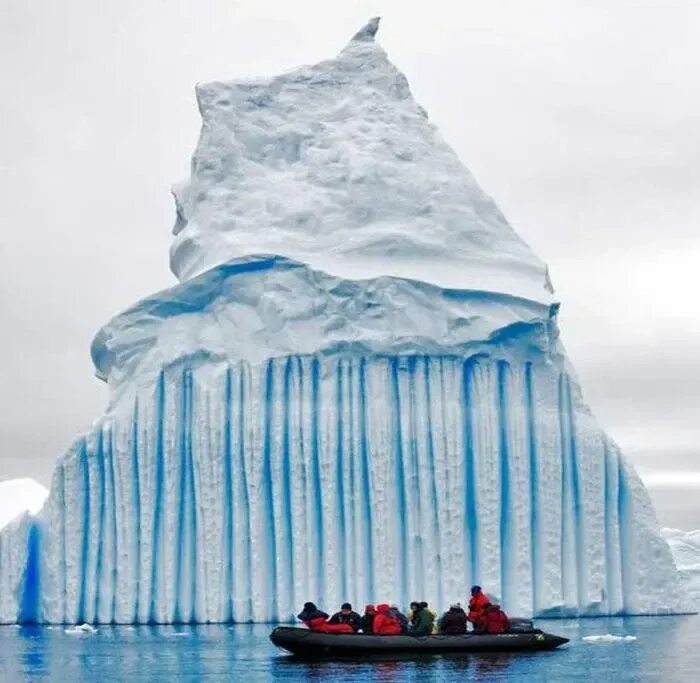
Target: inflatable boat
(312, 644)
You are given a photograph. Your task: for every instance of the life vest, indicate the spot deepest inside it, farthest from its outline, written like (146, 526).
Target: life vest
(320, 624)
(316, 624)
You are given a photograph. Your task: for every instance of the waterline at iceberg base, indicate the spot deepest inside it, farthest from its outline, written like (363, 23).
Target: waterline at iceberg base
(280, 431)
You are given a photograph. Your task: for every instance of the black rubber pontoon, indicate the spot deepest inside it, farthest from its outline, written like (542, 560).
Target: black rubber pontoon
(313, 644)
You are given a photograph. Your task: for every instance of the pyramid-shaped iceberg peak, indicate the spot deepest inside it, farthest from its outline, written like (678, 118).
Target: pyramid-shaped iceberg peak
(356, 392)
(337, 166)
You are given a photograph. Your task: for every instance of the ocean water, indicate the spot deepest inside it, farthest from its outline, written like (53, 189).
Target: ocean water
(665, 649)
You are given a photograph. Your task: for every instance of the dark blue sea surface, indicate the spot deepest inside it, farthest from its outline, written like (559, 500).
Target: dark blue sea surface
(665, 649)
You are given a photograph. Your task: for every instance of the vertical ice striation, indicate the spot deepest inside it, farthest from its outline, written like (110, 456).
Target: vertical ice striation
(245, 489)
(357, 392)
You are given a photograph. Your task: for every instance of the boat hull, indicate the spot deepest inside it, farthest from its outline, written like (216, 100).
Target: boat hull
(313, 644)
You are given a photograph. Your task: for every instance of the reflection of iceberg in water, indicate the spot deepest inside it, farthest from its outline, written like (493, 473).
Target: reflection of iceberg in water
(243, 652)
(356, 392)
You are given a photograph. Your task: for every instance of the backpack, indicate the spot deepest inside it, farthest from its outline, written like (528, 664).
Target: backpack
(402, 619)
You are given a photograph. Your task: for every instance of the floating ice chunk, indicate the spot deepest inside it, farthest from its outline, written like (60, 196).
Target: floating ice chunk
(608, 638)
(80, 628)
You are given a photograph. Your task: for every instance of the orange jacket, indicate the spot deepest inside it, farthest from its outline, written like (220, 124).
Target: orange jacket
(477, 606)
(493, 621)
(384, 623)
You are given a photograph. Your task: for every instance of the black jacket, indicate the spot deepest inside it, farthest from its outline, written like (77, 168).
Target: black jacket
(353, 619)
(454, 621)
(366, 623)
(311, 614)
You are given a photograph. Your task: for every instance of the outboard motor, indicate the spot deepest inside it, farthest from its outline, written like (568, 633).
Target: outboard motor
(520, 625)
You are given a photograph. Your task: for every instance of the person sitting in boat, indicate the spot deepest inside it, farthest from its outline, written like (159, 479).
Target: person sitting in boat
(453, 621)
(477, 605)
(315, 620)
(412, 610)
(367, 619)
(385, 623)
(493, 621)
(422, 621)
(346, 616)
(433, 615)
(400, 617)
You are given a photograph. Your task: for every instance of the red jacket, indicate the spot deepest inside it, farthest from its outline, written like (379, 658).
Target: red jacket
(384, 623)
(494, 621)
(477, 606)
(320, 624)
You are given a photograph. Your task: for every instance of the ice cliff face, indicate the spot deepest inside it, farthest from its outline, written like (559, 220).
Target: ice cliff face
(357, 392)
(20, 499)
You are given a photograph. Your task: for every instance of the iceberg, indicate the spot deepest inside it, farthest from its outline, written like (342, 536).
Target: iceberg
(20, 501)
(357, 391)
(685, 547)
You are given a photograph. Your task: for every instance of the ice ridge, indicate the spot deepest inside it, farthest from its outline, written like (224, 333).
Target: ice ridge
(262, 307)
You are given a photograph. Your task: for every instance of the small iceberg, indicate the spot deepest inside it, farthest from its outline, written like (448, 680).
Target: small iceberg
(608, 638)
(80, 628)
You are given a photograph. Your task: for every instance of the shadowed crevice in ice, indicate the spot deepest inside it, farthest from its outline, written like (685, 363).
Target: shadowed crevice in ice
(30, 602)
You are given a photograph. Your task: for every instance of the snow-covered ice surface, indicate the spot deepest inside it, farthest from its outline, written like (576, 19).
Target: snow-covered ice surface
(336, 165)
(357, 392)
(18, 496)
(685, 546)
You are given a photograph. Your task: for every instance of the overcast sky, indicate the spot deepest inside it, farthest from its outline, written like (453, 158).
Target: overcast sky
(581, 118)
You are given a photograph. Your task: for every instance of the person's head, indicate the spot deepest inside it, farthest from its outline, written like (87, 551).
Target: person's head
(415, 606)
(369, 609)
(346, 608)
(423, 604)
(309, 607)
(476, 589)
(382, 609)
(456, 606)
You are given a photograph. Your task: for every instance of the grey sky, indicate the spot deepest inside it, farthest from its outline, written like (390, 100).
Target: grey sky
(581, 118)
